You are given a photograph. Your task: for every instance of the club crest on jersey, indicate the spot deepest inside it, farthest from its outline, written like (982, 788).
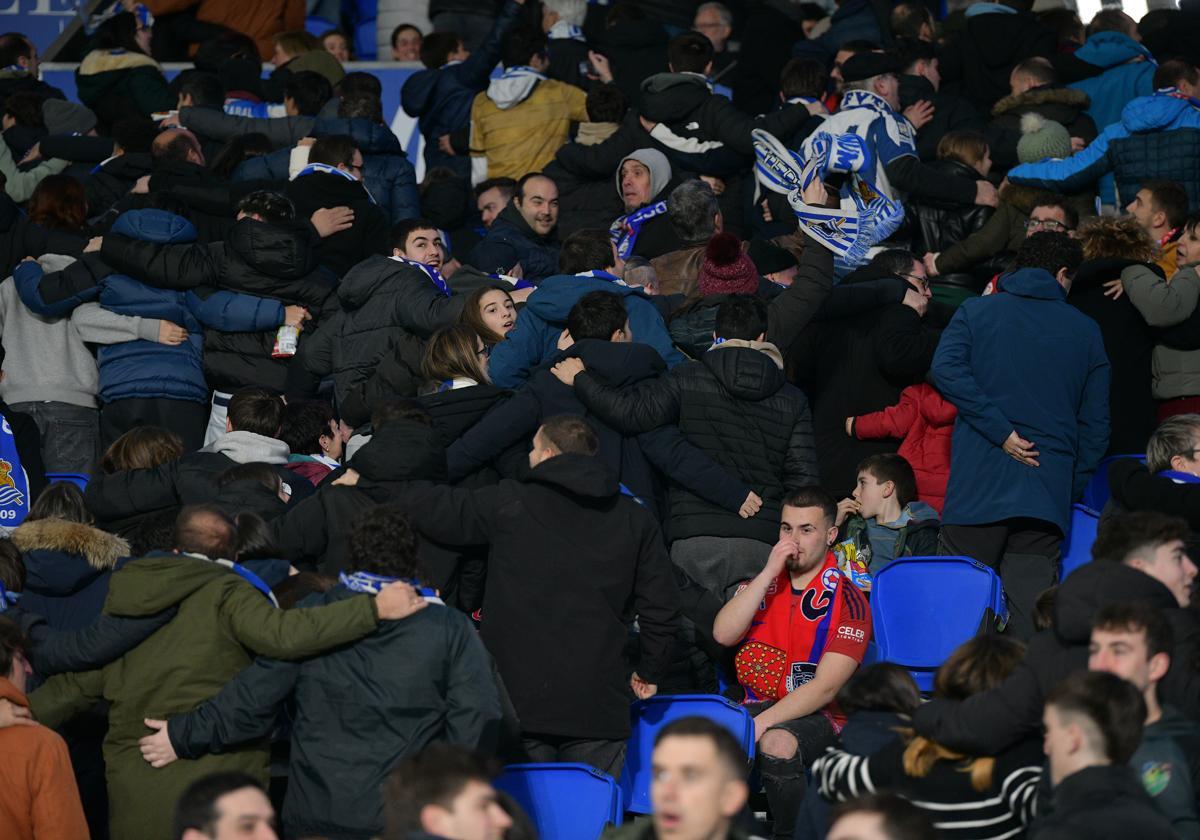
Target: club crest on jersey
(800, 674)
(829, 578)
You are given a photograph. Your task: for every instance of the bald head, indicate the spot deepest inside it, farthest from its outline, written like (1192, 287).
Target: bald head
(206, 530)
(177, 144)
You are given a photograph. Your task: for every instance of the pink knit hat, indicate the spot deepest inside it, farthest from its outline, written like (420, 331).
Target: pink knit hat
(726, 269)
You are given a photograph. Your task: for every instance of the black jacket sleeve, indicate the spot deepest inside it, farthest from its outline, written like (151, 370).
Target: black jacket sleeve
(514, 420)
(104, 640)
(178, 267)
(394, 376)
(423, 310)
(909, 175)
(1134, 488)
(790, 312)
(79, 148)
(800, 461)
(692, 468)
(904, 346)
(634, 409)
(849, 299)
(117, 495)
(656, 602)
(303, 531)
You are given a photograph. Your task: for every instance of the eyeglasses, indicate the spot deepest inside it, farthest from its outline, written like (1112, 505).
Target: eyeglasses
(922, 283)
(1045, 224)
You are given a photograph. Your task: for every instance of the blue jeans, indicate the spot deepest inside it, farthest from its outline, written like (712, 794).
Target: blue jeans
(70, 435)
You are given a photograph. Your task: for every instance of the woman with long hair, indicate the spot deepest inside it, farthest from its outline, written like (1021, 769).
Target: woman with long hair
(118, 78)
(59, 203)
(491, 313)
(455, 364)
(968, 797)
(141, 449)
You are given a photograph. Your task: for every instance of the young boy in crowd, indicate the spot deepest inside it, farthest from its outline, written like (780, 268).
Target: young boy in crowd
(883, 520)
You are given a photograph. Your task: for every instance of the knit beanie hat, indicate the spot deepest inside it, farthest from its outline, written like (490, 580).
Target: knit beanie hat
(319, 61)
(726, 269)
(1042, 138)
(63, 117)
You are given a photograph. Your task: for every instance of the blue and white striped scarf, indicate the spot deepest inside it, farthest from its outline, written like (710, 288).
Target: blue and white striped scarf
(563, 31)
(430, 272)
(624, 231)
(327, 169)
(370, 584)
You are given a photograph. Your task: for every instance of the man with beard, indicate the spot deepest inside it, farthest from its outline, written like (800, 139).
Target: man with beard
(526, 226)
(802, 628)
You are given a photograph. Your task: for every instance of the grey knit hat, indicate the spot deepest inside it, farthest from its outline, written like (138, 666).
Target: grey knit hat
(1042, 138)
(63, 117)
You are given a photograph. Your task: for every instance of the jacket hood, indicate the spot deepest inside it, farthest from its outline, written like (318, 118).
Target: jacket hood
(1109, 49)
(129, 166)
(332, 190)
(671, 97)
(403, 450)
(1033, 283)
(367, 278)
(155, 226)
(554, 296)
(914, 89)
(749, 370)
(152, 584)
(248, 496)
(1092, 274)
(417, 96)
(617, 365)
(104, 61)
(249, 448)
(581, 475)
(371, 138)
(1096, 585)
(1041, 97)
(513, 87)
(283, 251)
(1022, 196)
(656, 162)
(100, 549)
(1161, 110)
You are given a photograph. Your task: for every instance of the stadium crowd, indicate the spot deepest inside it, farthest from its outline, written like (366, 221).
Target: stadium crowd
(327, 490)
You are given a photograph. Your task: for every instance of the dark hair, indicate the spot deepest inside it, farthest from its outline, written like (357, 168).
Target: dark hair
(1070, 214)
(254, 472)
(692, 209)
(882, 687)
(61, 500)
(404, 228)
(1043, 608)
(521, 44)
(898, 818)
(205, 89)
(436, 48)
(359, 83)
(452, 352)
(803, 77)
(215, 54)
(309, 90)
(12, 567)
(1038, 69)
(272, 207)
(729, 751)
(624, 11)
(14, 45)
(1066, 24)
(207, 530)
(813, 496)
(256, 410)
(586, 250)
(333, 149)
(689, 52)
(295, 588)
(741, 317)
(141, 448)
(175, 144)
(1050, 252)
(1115, 708)
(979, 664)
(570, 434)
(606, 103)
(505, 185)
(396, 32)
(237, 151)
(597, 315)
(153, 532)
(255, 539)
(135, 134)
(434, 776)
(895, 261)
(888, 466)
(1170, 198)
(59, 203)
(25, 106)
(361, 105)
(197, 807)
(13, 642)
(855, 46)
(472, 317)
(382, 542)
(526, 178)
(911, 50)
(304, 423)
(119, 32)
(1111, 20)
(1173, 71)
(908, 19)
(1138, 617)
(1123, 535)
(386, 412)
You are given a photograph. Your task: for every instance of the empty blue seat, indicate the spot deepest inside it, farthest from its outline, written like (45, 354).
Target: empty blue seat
(647, 717)
(1097, 493)
(1077, 547)
(78, 479)
(922, 608)
(565, 801)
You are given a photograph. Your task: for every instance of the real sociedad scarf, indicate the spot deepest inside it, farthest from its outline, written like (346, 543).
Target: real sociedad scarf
(326, 169)
(602, 275)
(563, 31)
(865, 218)
(624, 231)
(370, 584)
(430, 272)
(1179, 477)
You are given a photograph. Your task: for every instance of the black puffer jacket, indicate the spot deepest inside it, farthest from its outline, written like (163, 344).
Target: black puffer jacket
(991, 721)
(271, 261)
(1062, 104)
(368, 235)
(951, 112)
(736, 406)
(379, 297)
(939, 224)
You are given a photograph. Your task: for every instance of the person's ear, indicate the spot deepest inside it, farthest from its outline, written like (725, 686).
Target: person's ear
(708, 69)
(732, 798)
(228, 424)
(888, 489)
(718, 222)
(831, 535)
(1177, 463)
(1160, 663)
(434, 820)
(1159, 219)
(670, 67)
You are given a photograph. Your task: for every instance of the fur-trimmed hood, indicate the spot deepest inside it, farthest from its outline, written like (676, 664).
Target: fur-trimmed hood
(100, 549)
(1041, 97)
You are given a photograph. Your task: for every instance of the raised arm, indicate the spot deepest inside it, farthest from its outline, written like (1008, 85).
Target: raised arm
(733, 621)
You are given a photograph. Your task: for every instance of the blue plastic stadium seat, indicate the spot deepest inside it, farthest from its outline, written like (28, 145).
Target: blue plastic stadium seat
(565, 801)
(79, 480)
(647, 717)
(318, 26)
(1097, 493)
(922, 608)
(1077, 547)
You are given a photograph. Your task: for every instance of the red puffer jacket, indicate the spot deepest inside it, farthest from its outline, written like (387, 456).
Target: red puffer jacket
(925, 421)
